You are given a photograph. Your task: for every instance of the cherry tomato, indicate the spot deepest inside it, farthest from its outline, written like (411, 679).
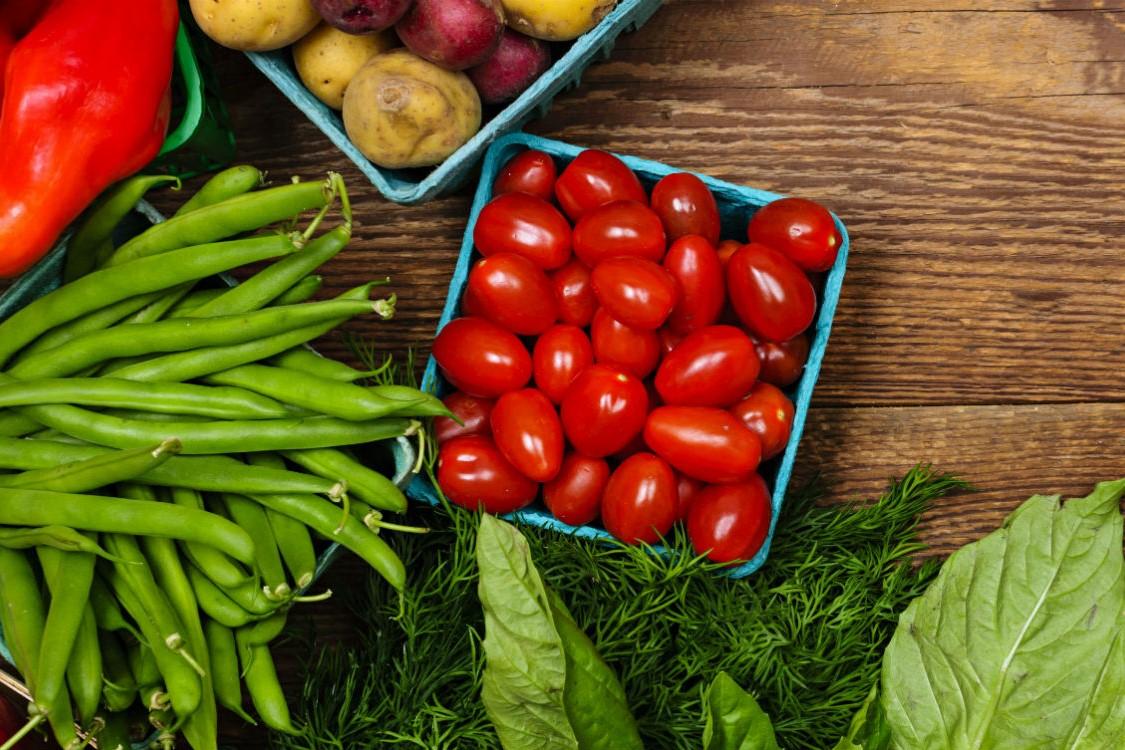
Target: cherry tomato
(560, 354)
(686, 491)
(768, 414)
(527, 431)
(574, 294)
(715, 366)
(804, 231)
(481, 358)
(729, 522)
(695, 265)
(475, 475)
(705, 443)
(473, 411)
(603, 410)
(470, 305)
(513, 293)
(726, 249)
(783, 362)
(639, 505)
(615, 343)
(593, 179)
(636, 292)
(574, 496)
(525, 225)
(624, 228)
(771, 295)
(669, 339)
(532, 172)
(686, 206)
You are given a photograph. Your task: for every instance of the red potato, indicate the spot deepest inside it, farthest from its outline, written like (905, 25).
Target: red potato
(511, 68)
(455, 34)
(361, 16)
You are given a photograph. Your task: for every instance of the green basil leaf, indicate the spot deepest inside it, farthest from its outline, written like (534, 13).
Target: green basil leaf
(1017, 643)
(594, 699)
(734, 720)
(525, 673)
(868, 730)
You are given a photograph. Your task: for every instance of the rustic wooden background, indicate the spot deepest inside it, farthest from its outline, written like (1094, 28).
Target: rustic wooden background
(976, 150)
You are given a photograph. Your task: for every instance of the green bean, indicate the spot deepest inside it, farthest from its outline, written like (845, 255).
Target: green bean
(195, 364)
(180, 677)
(184, 307)
(92, 473)
(252, 518)
(162, 398)
(95, 321)
(158, 308)
(98, 225)
(224, 668)
(114, 734)
(252, 598)
(199, 438)
(84, 670)
(300, 292)
(68, 576)
(107, 614)
(109, 285)
(274, 280)
(23, 619)
(242, 213)
(324, 517)
(219, 568)
(119, 689)
(115, 516)
(206, 473)
(201, 728)
(304, 359)
(429, 405)
(264, 688)
(154, 697)
(57, 537)
(363, 483)
(215, 603)
(142, 665)
(180, 335)
(14, 425)
(263, 631)
(341, 400)
(222, 186)
(293, 538)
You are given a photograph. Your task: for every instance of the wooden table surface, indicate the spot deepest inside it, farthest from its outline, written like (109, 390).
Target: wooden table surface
(976, 151)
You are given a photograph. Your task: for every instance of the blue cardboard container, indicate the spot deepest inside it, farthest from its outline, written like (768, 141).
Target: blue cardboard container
(736, 205)
(46, 275)
(414, 186)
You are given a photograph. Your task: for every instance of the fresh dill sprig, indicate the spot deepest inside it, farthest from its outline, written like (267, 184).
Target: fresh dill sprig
(805, 633)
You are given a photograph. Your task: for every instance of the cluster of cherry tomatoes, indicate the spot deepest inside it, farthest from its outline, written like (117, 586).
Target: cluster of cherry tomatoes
(619, 359)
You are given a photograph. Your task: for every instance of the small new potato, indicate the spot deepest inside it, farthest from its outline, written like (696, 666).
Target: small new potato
(327, 59)
(255, 25)
(402, 111)
(555, 20)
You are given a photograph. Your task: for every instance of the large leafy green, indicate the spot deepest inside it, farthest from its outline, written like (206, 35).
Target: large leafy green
(1018, 643)
(733, 720)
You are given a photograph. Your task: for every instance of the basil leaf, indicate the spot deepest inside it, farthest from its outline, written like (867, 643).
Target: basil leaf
(525, 673)
(734, 720)
(594, 699)
(868, 730)
(1017, 643)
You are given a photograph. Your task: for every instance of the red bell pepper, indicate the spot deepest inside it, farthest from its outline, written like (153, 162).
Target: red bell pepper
(86, 103)
(16, 17)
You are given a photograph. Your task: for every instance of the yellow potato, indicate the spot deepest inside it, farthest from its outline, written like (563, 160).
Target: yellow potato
(327, 59)
(402, 111)
(255, 25)
(555, 20)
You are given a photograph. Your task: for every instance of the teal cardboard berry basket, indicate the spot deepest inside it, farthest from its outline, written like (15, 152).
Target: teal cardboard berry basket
(46, 276)
(736, 205)
(416, 185)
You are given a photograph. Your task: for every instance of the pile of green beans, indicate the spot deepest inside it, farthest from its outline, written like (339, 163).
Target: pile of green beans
(171, 455)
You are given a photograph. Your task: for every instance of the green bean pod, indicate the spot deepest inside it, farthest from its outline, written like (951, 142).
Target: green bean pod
(242, 213)
(184, 307)
(303, 290)
(84, 670)
(56, 537)
(161, 398)
(159, 307)
(95, 321)
(428, 405)
(224, 185)
(68, 576)
(293, 539)
(93, 473)
(304, 359)
(324, 517)
(363, 483)
(107, 613)
(224, 668)
(217, 566)
(114, 734)
(109, 285)
(252, 518)
(116, 516)
(262, 684)
(206, 473)
(119, 688)
(215, 603)
(98, 225)
(264, 631)
(142, 665)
